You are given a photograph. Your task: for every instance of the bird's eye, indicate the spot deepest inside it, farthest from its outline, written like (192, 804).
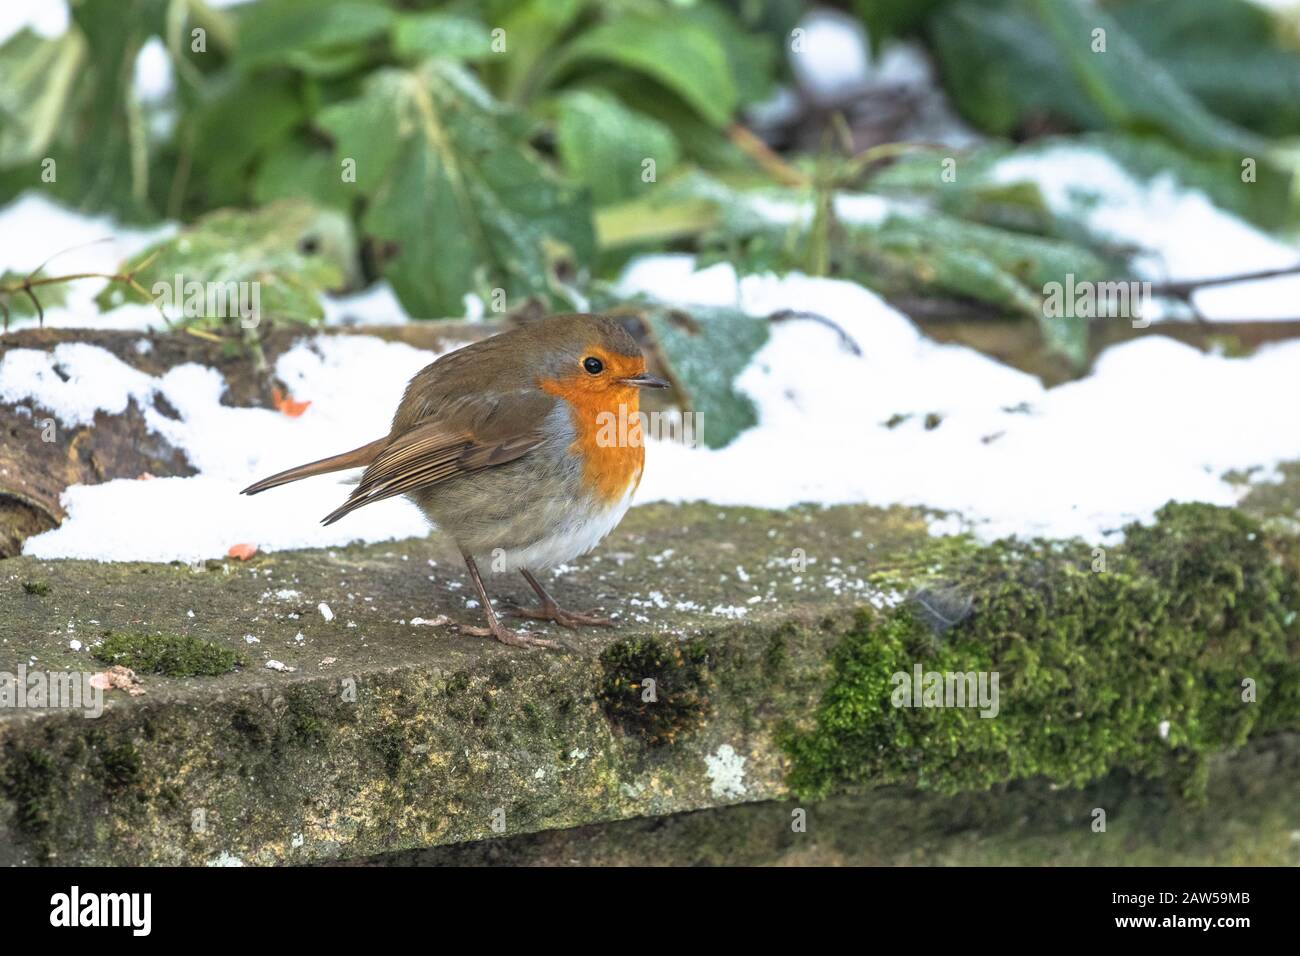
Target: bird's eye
(593, 365)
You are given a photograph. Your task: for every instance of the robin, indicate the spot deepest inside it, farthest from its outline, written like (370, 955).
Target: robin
(507, 446)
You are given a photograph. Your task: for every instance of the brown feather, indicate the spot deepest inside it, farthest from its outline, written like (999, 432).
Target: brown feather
(467, 437)
(356, 458)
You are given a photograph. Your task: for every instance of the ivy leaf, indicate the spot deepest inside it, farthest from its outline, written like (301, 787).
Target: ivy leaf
(605, 145)
(319, 37)
(532, 28)
(1229, 54)
(678, 53)
(454, 193)
(1012, 63)
(703, 350)
(292, 250)
(265, 110)
(112, 134)
(299, 169)
(418, 36)
(938, 253)
(39, 79)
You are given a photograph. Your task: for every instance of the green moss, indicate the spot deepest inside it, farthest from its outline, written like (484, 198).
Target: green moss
(120, 767)
(247, 726)
(30, 780)
(174, 655)
(392, 747)
(1090, 663)
(677, 703)
(38, 588)
(307, 718)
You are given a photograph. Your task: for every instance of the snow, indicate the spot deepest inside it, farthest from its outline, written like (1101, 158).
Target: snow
(1155, 420)
(49, 18)
(377, 305)
(187, 519)
(154, 75)
(92, 380)
(726, 771)
(828, 54)
(852, 208)
(1184, 235)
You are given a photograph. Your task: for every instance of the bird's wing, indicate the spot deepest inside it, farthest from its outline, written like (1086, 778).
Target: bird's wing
(470, 435)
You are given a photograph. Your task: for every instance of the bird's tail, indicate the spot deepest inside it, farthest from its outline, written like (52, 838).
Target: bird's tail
(356, 458)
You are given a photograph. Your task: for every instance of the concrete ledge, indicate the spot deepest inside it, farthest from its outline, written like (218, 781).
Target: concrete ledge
(1251, 818)
(415, 735)
(389, 735)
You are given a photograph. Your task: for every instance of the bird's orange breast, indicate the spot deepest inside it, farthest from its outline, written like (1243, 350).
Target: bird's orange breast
(609, 439)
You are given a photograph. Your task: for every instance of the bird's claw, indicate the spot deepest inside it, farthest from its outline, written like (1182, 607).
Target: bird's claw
(558, 615)
(507, 636)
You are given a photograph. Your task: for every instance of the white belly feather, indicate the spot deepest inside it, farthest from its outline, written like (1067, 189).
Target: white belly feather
(580, 531)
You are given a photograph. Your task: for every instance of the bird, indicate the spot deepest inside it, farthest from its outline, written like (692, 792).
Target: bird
(525, 447)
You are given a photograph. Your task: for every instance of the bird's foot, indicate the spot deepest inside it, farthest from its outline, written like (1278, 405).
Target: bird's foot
(507, 636)
(558, 615)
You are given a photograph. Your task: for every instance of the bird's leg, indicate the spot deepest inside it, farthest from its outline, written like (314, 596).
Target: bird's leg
(495, 628)
(550, 611)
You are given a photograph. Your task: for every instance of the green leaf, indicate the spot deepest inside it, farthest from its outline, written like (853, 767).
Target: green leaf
(110, 139)
(751, 58)
(420, 36)
(321, 37)
(263, 111)
(937, 253)
(39, 76)
(1009, 64)
(605, 145)
(292, 250)
(681, 55)
(531, 29)
(704, 350)
(299, 169)
(454, 189)
(1226, 53)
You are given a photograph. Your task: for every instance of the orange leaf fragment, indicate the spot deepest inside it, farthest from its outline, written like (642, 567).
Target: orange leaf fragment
(286, 405)
(242, 551)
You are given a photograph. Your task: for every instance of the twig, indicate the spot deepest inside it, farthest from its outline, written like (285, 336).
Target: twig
(30, 283)
(846, 340)
(762, 154)
(1187, 287)
(883, 152)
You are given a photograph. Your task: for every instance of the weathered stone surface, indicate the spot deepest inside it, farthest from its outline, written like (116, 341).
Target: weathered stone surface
(390, 735)
(1251, 818)
(447, 734)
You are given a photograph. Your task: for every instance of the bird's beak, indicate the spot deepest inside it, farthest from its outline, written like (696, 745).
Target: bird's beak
(645, 381)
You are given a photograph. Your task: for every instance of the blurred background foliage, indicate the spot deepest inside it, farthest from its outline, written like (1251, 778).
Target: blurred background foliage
(504, 144)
